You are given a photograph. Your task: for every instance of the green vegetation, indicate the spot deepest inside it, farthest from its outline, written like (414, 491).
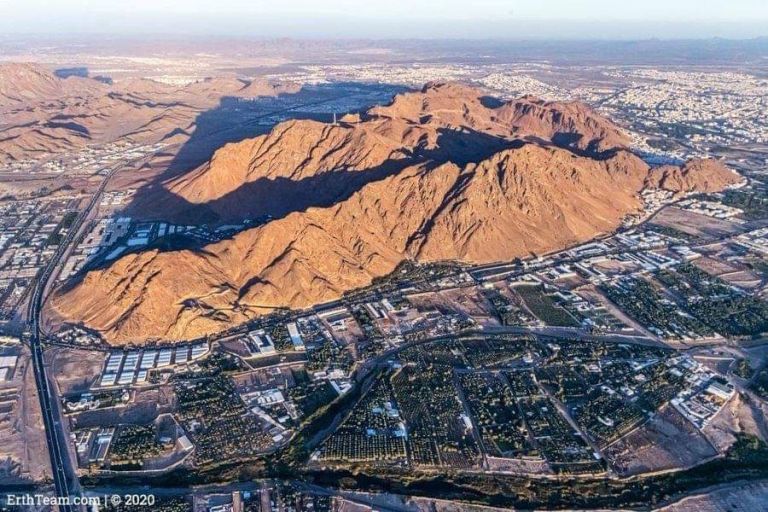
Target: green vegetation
(758, 265)
(491, 375)
(544, 307)
(607, 416)
(753, 202)
(563, 380)
(421, 275)
(219, 424)
(717, 304)
(281, 338)
(564, 449)
(66, 222)
(741, 368)
(485, 352)
(430, 407)
(366, 322)
(311, 396)
(672, 232)
(329, 356)
(522, 383)
(642, 302)
(497, 415)
(132, 445)
(372, 432)
(506, 312)
(760, 384)
(660, 386)
(747, 460)
(211, 366)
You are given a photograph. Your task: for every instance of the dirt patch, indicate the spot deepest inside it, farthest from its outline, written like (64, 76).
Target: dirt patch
(668, 441)
(749, 496)
(741, 414)
(694, 224)
(145, 406)
(75, 370)
(23, 448)
(462, 301)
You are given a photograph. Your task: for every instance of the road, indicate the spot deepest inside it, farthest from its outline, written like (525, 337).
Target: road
(64, 469)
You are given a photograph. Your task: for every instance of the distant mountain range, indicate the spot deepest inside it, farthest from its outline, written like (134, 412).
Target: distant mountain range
(43, 114)
(444, 173)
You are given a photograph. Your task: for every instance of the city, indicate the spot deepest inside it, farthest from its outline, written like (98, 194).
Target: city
(620, 365)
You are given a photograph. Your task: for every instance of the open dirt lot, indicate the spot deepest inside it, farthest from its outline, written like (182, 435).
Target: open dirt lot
(75, 370)
(23, 449)
(694, 224)
(668, 441)
(466, 301)
(747, 497)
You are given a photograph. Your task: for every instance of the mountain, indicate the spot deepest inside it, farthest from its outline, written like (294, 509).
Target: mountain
(24, 83)
(44, 114)
(699, 175)
(440, 174)
(442, 122)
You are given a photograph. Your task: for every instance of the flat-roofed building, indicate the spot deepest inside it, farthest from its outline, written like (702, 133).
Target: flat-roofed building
(182, 355)
(108, 379)
(8, 361)
(164, 358)
(148, 359)
(293, 332)
(262, 342)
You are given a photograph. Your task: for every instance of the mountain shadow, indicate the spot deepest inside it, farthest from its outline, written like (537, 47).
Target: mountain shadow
(236, 118)
(267, 199)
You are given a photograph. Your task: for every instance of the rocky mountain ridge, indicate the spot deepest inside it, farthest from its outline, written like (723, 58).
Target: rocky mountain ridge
(440, 174)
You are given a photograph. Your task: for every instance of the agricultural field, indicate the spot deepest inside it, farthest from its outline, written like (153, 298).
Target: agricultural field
(431, 408)
(641, 301)
(723, 308)
(544, 307)
(373, 431)
(516, 401)
(218, 422)
(497, 415)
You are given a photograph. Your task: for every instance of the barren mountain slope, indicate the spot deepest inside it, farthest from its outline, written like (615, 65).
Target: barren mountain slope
(43, 114)
(697, 174)
(21, 84)
(427, 189)
(443, 122)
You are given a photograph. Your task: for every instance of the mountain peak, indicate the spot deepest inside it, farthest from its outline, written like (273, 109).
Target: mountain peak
(441, 174)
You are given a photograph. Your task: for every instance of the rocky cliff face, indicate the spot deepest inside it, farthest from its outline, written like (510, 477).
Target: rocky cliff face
(442, 174)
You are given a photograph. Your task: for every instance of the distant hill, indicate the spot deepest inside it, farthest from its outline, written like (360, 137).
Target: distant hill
(43, 114)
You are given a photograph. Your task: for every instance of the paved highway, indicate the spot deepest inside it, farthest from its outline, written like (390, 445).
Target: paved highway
(63, 468)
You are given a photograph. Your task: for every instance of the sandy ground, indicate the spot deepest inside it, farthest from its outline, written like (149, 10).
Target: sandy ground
(667, 442)
(694, 224)
(743, 279)
(519, 466)
(713, 266)
(746, 497)
(738, 415)
(145, 406)
(23, 449)
(75, 370)
(466, 301)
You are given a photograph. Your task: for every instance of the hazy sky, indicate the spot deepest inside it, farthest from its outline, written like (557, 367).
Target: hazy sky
(393, 18)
